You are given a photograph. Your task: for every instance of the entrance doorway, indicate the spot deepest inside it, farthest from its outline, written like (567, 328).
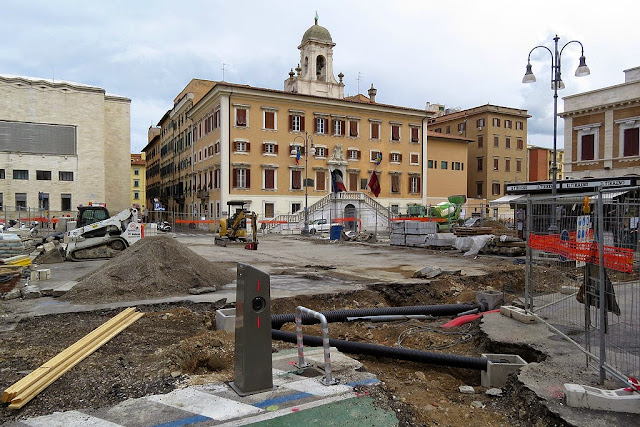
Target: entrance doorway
(350, 212)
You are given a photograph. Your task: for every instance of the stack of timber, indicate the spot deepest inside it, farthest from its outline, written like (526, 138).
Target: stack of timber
(505, 245)
(27, 388)
(472, 231)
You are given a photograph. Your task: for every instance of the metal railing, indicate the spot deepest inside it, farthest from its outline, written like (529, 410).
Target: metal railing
(583, 277)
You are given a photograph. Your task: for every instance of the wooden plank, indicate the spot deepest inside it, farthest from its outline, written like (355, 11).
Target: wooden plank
(34, 376)
(26, 395)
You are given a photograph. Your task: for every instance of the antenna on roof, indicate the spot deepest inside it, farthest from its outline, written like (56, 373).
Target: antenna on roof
(360, 75)
(223, 64)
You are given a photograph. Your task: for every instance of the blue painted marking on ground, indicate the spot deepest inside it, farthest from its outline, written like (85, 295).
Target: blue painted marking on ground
(364, 382)
(281, 399)
(184, 421)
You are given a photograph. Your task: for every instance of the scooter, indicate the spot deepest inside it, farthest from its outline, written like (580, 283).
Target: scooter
(164, 226)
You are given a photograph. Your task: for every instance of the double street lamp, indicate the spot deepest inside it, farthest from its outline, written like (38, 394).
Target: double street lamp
(307, 150)
(556, 84)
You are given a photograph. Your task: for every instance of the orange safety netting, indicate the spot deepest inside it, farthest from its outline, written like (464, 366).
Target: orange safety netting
(615, 258)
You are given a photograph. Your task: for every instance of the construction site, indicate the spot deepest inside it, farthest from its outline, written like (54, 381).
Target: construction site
(420, 326)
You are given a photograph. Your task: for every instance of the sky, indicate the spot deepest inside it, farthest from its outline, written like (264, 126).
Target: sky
(458, 53)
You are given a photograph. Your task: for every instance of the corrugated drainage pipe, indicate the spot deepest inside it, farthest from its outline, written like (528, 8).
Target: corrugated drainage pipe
(277, 320)
(455, 361)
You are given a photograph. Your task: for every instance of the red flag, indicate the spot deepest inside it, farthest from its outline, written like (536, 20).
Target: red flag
(374, 184)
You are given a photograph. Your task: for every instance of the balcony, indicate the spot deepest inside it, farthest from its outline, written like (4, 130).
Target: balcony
(202, 194)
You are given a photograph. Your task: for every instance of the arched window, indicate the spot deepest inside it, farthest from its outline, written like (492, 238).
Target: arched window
(321, 72)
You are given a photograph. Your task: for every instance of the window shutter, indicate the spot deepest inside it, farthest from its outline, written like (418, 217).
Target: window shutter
(248, 146)
(353, 128)
(315, 124)
(235, 178)
(390, 157)
(588, 152)
(275, 149)
(301, 123)
(342, 123)
(419, 182)
(264, 147)
(359, 154)
(631, 142)
(399, 157)
(235, 146)
(290, 122)
(248, 177)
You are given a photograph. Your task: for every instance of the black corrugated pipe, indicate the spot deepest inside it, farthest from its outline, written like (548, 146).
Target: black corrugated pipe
(455, 361)
(277, 320)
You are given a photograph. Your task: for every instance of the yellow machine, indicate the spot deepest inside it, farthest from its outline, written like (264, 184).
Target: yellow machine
(234, 228)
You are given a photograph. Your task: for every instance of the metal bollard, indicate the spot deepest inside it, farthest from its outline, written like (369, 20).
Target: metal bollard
(328, 380)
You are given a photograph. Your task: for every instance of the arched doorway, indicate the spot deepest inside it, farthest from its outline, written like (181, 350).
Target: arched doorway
(350, 212)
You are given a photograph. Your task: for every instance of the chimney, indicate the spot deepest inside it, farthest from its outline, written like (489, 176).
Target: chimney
(372, 94)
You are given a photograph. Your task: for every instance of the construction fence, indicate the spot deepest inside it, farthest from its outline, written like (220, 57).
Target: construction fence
(583, 275)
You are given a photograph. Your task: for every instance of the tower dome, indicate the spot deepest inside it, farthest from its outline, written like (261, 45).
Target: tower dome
(318, 33)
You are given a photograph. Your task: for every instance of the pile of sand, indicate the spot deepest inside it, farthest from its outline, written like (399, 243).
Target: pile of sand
(153, 267)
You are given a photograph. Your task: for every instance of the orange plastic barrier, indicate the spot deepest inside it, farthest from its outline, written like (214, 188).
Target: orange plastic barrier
(195, 221)
(616, 258)
(420, 218)
(271, 221)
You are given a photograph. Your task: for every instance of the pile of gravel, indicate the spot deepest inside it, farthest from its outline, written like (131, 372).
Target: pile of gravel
(153, 267)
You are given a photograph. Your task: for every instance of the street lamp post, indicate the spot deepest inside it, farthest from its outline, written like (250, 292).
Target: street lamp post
(307, 150)
(556, 84)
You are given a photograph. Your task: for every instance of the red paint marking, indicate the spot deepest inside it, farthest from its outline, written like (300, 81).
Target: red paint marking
(258, 285)
(258, 322)
(292, 363)
(295, 409)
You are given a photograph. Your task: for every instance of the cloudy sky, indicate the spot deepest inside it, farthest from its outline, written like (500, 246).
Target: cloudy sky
(459, 53)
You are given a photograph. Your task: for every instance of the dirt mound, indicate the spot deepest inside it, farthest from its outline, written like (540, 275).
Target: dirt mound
(153, 267)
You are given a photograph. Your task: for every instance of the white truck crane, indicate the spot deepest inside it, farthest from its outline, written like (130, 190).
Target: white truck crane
(104, 239)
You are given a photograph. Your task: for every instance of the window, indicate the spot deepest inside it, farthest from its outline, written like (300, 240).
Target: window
(395, 183)
(241, 146)
(480, 123)
(631, 142)
(395, 157)
(269, 148)
(375, 156)
(496, 141)
(414, 158)
(438, 130)
(296, 122)
(216, 178)
(296, 179)
(269, 179)
(136, 171)
(321, 180)
(354, 179)
(241, 178)
(136, 195)
(21, 201)
(479, 189)
(507, 124)
(338, 127)
(587, 146)
(507, 164)
(353, 154)
(216, 119)
(1, 202)
(65, 176)
(321, 125)
(241, 117)
(495, 188)
(295, 207)
(136, 183)
(415, 135)
(1, 173)
(353, 129)
(216, 147)
(480, 141)
(480, 162)
(375, 130)
(444, 165)
(269, 210)
(414, 184)
(364, 183)
(507, 142)
(20, 174)
(430, 164)
(321, 152)
(65, 202)
(462, 127)
(519, 144)
(519, 125)
(495, 163)
(395, 209)
(518, 165)
(457, 166)
(395, 132)
(496, 122)
(269, 120)
(448, 129)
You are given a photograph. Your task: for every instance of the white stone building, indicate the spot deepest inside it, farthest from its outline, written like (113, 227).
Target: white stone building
(62, 144)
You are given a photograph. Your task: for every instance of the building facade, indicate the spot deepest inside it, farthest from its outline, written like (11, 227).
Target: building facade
(62, 144)
(281, 150)
(138, 181)
(541, 161)
(497, 156)
(601, 130)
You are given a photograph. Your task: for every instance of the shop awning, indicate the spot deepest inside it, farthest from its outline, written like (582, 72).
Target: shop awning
(505, 200)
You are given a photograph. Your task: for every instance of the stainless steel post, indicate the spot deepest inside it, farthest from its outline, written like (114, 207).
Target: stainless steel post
(602, 288)
(328, 380)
